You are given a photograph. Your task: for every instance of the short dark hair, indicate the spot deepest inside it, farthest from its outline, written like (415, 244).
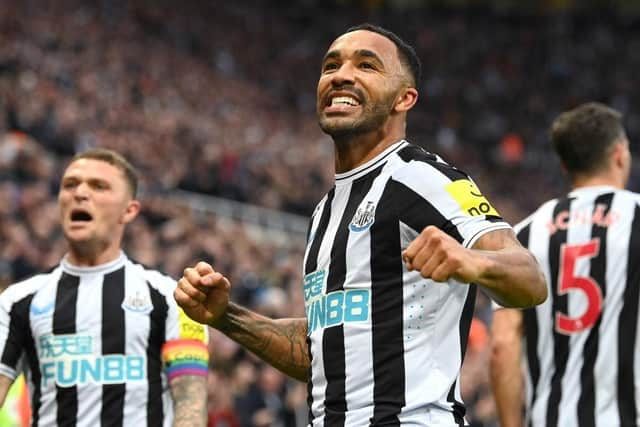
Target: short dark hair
(114, 159)
(583, 136)
(406, 52)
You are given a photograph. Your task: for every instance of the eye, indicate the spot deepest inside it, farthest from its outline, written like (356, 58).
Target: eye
(67, 185)
(329, 66)
(367, 66)
(100, 185)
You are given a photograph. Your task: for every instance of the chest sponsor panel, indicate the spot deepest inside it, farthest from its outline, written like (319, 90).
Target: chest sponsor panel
(70, 359)
(325, 310)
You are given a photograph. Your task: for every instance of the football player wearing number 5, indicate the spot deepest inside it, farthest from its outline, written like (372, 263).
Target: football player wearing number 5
(581, 345)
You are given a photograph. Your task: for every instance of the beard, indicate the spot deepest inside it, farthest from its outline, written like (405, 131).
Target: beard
(373, 117)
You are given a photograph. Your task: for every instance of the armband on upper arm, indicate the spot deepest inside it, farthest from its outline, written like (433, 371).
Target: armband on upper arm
(188, 354)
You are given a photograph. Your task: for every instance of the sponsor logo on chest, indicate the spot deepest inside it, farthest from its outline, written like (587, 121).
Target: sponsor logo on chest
(68, 360)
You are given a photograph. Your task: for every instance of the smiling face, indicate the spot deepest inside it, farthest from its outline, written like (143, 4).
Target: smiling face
(360, 82)
(95, 204)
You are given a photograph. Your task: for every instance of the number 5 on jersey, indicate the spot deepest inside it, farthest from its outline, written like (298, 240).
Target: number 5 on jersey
(568, 281)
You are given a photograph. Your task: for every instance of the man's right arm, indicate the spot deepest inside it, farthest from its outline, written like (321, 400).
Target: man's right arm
(5, 384)
(505, 366)
(279, 342)
(203, 294)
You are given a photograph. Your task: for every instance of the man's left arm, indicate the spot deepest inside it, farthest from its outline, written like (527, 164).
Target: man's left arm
(186, 363)
(497, 261)
(189, 393)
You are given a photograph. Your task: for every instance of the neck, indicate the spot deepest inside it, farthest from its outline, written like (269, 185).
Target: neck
(598, 180)
(353, 151)
(86, 255)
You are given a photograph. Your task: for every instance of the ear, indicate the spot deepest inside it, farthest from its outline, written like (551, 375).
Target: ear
(131, 212)
(618, 154)
(406, 100)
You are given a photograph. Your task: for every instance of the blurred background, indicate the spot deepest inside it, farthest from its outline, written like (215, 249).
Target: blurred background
(214, 102)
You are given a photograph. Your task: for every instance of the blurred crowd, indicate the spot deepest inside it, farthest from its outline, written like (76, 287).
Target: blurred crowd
(218, 98)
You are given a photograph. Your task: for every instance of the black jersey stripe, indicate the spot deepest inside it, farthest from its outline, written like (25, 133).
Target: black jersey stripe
(524, 235)
(318, 234)
(310, 266)
(387, 312)
(627, 327)
(419, 213)
(598, 271)
(333, 338)
(530, 324)
(464, 326)
(416, 153)
(113, 342)
(559, 304)
(64, 322)
(18, 324)
(157, 335)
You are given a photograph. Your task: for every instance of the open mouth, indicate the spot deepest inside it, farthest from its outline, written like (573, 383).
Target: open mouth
(80, 215)
(343, 101)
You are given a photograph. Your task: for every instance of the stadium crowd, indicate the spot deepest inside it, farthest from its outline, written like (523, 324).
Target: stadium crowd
(218, 98)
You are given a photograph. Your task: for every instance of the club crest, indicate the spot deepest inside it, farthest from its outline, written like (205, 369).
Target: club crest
(363, 218)
(138, 303)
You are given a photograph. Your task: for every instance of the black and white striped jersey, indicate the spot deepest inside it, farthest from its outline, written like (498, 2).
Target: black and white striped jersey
(581, 345)
(386, 344)
(98, 344)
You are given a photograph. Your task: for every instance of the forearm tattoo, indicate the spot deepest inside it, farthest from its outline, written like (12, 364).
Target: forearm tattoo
(190, 401)
(282, 343)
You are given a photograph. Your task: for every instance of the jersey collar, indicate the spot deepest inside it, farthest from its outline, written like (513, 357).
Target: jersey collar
(98, 269)
(363, 169)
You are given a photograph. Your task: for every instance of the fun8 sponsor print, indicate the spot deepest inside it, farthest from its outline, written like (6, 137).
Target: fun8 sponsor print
(69, 360)
(334, 308)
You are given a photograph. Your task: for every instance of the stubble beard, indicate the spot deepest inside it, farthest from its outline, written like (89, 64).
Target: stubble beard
(371, 119)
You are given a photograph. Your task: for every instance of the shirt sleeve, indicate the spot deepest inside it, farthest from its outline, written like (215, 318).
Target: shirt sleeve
(448, 198)
(12, 329)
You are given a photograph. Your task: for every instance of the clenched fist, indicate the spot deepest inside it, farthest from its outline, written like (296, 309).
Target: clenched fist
(203, 293)
(440, 257)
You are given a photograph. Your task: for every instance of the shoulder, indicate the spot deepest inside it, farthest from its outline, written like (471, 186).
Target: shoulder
(19, 290)
(156, 279)
(631, 195)
(544, 211)
(416, 162)
(445, 186)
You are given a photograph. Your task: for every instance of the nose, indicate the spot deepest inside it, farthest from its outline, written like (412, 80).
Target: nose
(81, 192)
(343, 76)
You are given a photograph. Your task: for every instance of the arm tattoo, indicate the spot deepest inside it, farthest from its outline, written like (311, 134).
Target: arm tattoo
(189, 394)
(281, 343)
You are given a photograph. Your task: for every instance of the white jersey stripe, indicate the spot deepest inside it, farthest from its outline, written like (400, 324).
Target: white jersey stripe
(90, 297)
(607, 386)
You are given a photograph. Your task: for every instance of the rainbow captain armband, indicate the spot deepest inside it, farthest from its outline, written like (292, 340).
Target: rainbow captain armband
(16, 411)
(185, 357)
(187, 354)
